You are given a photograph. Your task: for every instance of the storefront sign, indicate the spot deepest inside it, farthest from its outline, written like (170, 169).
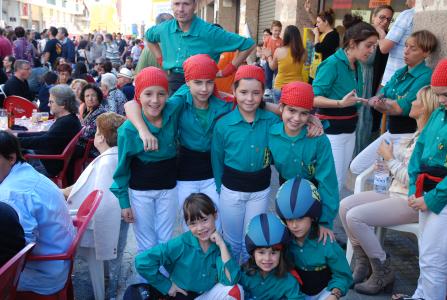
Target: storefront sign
(375, 3)
(342, 4)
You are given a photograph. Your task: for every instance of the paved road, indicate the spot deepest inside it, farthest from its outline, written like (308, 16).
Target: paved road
(402, 248)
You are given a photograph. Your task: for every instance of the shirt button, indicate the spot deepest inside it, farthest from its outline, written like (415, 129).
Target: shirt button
(178, 48)
(430, 158)
(203, 275)
(437, 137)
(301, 250)
(252, 164)
(252, 146)
(294, 160)
(293, 144)
(262, 283)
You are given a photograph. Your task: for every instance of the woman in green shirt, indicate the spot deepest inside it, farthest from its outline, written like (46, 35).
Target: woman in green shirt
(337, 83)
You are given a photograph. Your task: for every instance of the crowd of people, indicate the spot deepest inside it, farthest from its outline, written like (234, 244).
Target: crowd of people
(168, 136)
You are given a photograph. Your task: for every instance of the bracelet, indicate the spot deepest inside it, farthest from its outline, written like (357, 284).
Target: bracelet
(337, 294)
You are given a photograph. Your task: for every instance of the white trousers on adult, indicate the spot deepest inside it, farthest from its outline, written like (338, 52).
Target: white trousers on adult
(368, 156)
(432, 282)
(236, 211)
(186, 188)
(223, 292)
(342, 149)
(155, 212)
(320, 296)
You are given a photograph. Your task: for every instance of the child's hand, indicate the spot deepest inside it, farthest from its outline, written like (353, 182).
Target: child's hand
(217, 238)
(150, 142)
(314, 127)
(127, 215)
(175, 289)
(325, 233)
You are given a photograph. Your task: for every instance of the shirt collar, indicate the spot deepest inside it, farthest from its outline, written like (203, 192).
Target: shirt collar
(192, 29)
(191, 240)
(307, 242)
(236, 117)
(278, 129)
(341, 55)
(418, 70)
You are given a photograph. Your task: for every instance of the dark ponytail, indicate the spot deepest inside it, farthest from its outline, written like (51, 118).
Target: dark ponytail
(356, 30)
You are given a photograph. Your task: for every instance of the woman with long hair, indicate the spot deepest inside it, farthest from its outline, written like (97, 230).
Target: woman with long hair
(288, 60)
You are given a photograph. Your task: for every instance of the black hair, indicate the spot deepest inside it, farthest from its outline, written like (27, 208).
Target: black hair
(382, 7)
(267, 30)
(50, 78)
(356, 30)
(107, 66)
(327, 16)
(80, 70)
(9, 145)
(19, 31)
(196, 206)
(53, 31)
(94, 87)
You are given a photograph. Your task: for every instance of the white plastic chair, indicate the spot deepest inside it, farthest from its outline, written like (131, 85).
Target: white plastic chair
(360, 186)
(95, 267)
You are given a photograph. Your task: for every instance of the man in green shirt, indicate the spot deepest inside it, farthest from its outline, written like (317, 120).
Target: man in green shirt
(173, 41)
(428, 193)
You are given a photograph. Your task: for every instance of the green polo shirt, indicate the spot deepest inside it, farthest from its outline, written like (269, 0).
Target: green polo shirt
(202, 37)
(130, 146)
(405, 84)
(335, 78)
(189, 267)
(431, 150)
(314, 256)
(193, 135)
(270, 287)
(241, 145)
(310, 158)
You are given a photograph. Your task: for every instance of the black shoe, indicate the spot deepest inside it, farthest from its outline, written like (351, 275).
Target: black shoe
(140, 291)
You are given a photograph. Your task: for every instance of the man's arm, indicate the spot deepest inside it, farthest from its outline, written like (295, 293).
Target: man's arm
(242, 56)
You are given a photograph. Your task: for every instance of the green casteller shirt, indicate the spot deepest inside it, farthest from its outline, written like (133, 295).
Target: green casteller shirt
(313, 255)
(405, 84)
(130, 146)
(310, 158)
(191, 132)
(241, 145)
(335, 78)
(202, 37)
(189, 267)
(270, 287)
(147, 59)
(431, 150)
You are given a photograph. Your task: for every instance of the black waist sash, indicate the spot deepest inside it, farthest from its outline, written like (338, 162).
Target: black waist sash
(194, 165)
(160, 175)
(314, 281)
(248, 182)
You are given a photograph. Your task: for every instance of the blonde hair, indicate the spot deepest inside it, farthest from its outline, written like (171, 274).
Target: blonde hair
(81, 81)
(429, 100)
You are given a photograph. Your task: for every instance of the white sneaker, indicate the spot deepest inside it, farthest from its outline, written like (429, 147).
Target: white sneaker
(268, 93)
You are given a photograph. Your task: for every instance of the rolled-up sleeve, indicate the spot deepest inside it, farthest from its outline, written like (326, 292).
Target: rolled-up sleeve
(324, 80)
(153, 34)
(224, 41)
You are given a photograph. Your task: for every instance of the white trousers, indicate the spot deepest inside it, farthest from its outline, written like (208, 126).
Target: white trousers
(320, 296)
(369, 155)
(223, 292)
(342, 149)
(155, 212)
(186, 188)
(432, 282)
(236, 211)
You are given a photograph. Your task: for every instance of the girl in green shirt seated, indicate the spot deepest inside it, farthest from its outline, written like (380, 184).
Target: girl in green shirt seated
(266, 274)
(323, 268)
(199, 263)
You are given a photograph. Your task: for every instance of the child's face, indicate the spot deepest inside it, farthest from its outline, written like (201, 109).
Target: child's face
(267, 259)
(201, 89)
(204, 227)
(299, 227)
(249, 95)
(153, 100)
(294, 118)
(276, 31)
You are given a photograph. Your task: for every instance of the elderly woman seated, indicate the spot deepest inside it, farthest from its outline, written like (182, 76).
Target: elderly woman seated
(43, 215)
(115, 97)
(100, 242)
(63, 107)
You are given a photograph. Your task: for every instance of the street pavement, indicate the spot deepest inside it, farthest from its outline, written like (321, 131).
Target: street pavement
(121, 273)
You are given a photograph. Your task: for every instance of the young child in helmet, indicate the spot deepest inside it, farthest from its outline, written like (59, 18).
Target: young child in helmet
(266, 274)
(322, 267)
(198, 261)
(296, 154)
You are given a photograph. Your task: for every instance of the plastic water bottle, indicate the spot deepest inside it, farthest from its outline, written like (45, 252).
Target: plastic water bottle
(381, 176)
(34, 117)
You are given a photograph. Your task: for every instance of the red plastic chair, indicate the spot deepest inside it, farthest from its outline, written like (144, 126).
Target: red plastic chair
(81, 163)
(81, 220)
(61, 178)
(10, 273)
(22, 106)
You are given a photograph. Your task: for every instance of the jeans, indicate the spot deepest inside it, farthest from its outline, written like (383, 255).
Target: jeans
(186, 188)
(342, 148)
(236, 211)
(268, 77)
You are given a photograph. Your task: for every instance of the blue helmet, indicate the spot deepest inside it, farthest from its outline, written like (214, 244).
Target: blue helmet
(298, 198)
(265, 230)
